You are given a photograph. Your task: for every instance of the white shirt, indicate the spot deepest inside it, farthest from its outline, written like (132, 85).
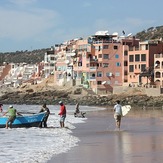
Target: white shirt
(118, 109)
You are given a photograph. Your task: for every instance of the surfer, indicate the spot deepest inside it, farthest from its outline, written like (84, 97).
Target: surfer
(118, 114)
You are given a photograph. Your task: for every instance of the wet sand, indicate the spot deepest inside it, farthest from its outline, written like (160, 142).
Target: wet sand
(139, 141)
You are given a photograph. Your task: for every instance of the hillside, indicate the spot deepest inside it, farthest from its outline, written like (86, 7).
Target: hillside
(151, 33)
(28, 57)
(37, 55)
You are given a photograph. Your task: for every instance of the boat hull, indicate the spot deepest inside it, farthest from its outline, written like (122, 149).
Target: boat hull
(24, 121)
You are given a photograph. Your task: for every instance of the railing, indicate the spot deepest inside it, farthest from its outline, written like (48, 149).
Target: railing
(93, 68)
(158, 55)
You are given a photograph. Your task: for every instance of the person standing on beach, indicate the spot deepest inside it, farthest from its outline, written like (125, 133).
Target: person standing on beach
(44, 108)
(118, 114)
(62, 114)
(12, 116)
(77, 108)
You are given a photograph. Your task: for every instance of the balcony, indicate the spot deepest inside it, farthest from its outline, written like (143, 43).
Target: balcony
(158, 55)
(92, 78)
(93, 68)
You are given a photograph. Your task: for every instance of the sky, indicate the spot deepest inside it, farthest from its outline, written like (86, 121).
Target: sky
(37, 24)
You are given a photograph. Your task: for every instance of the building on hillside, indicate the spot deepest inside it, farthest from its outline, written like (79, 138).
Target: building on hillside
(141, 62)
(158, 69)
(49, 62)
(64, 65)
(102, 61)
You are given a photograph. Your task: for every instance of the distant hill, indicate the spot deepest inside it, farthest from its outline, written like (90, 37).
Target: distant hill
(37, 55)
(151, 33)
(33, 57)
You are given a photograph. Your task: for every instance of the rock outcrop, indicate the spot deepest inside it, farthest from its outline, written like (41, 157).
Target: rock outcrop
(51, 95)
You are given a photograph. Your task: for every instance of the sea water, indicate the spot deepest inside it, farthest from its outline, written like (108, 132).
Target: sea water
(31, 145)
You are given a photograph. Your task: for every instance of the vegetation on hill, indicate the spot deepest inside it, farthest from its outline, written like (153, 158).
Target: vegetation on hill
(151, 33)
(36, 56)
(33, 57)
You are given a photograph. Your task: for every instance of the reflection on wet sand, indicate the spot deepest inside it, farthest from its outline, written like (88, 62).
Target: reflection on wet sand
(139, 141)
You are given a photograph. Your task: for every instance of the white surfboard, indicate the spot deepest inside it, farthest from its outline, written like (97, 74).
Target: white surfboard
(125, 109)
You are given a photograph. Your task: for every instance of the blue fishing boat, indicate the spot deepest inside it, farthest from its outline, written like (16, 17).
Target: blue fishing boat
(24, 121)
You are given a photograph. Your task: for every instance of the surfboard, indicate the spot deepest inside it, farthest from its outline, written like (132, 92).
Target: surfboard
(125, 109)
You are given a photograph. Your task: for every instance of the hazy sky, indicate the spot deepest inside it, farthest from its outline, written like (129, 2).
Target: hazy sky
(36, 24)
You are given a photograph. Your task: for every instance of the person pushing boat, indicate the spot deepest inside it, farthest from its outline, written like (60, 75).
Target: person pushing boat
(44, 108)
(12, 116)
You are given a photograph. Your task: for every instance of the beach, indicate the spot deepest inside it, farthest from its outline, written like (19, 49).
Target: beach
(140, 139)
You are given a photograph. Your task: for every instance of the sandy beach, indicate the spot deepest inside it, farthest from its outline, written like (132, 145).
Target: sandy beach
(140, 139)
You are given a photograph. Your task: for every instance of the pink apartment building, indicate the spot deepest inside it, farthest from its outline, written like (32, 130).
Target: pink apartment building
(102, 62)
(158, 70)
(141, 62)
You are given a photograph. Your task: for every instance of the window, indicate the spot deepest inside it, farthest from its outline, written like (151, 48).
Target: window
(143, 57)
(125, 63)
(52, 58)
(99, 48)
(105, 56)
(99, 74)
(125, 72)
(131, 68)
(115, 47)
(137, 57)
(131, 58)
(99, 82)
(109, 74)
(100, 56)
(52, 64)
(108, 82)
(100, 64)
(116, 82)
(118, 64)
(143, 67)
(117, 74)
(125, 53)
(105, 64)
(105, 46)
(116, 56)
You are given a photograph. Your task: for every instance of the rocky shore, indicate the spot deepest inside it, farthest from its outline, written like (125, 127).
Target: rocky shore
(51, 95)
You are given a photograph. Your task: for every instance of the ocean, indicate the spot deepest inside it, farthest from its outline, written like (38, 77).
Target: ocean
(31, 145)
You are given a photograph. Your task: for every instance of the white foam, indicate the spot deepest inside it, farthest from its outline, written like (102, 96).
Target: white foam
(21, 145)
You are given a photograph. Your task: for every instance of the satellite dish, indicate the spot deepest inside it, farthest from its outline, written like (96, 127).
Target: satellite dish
(73, 54)
(115, 34)
(122, 37)
(104, 82)
(129, 34)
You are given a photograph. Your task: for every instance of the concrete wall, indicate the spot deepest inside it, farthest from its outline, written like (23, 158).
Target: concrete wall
(143, 90)
(152, 91)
